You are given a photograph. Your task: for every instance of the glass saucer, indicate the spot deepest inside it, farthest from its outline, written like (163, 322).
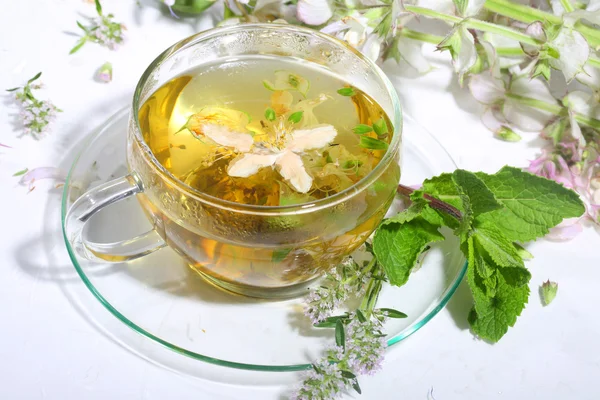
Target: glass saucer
(172, 307)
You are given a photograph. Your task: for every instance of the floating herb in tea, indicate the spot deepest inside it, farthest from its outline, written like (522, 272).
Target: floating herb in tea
(246, 135)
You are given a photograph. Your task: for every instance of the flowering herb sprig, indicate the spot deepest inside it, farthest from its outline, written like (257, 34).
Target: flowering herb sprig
(359, 338)
(36, 115)
(102, 30)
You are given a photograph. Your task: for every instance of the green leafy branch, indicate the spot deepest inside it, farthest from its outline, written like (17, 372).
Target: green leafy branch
(492, 215)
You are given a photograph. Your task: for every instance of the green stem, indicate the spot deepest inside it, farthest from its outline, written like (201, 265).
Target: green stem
(528, 15)
(423, 37)
(479, 25)
(555, 109)
(373, 288)
(435, 39)
(567, 5)
(475, 24)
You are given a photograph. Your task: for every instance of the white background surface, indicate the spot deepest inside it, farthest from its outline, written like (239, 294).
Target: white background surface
(48, 350)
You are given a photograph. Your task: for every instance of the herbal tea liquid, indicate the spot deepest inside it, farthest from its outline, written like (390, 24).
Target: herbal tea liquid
(267, 132)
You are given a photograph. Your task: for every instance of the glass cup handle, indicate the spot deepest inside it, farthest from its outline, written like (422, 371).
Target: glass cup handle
(93, 201)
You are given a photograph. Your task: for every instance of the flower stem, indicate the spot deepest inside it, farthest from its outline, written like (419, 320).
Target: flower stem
(423, 37)
(528, 15)
(481, 26)
(433, 202)
(555, 109)
(435, 39)
(373, 289)
(567, 5)
(475, 24)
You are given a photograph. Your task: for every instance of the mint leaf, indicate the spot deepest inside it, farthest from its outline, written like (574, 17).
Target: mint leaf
(413, 211)
(481, 198)
(531, 204)
(397, 246)
(502, 251)
(491, 316)
(441, 187)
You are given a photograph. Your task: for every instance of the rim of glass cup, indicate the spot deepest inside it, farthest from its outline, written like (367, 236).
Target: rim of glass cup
(295, 209)
(204, 358)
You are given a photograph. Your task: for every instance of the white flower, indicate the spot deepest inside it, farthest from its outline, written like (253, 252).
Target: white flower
(352, 29)
(573, 52)
(591, 13)
(567, 51)
(286, 159)
(467, 8)
(590, 77)
(314, 12)
(493, 91)
(461, 44)
(355, 30)
(410, 51)
(169, 3)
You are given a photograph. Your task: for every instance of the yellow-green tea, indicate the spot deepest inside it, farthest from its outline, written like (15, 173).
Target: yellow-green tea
(267, 132)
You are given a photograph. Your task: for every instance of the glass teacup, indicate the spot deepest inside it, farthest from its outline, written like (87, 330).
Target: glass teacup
(260, 251)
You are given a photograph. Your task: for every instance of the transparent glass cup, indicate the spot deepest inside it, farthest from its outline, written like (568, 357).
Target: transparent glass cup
(259, 251)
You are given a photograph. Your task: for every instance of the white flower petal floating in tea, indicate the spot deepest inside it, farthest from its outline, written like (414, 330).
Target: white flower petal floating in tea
(291, 167)
(248, 164)
(222, 135)
(242, 143)
(289, 164)
(314, 138)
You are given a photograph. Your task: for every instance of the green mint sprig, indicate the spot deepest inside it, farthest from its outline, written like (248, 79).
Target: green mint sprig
(492, 215)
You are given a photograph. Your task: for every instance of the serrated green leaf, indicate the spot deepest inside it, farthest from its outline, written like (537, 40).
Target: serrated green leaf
(532, 204)
(398, 246)
(523, 253)
(481, 199)
(441, 187)
(491, 316)
(347, 91)
(501, 250)
(413, 211)
(340, 334)
(361, 129)
(390, 312)
(368, 142)
(499, 294)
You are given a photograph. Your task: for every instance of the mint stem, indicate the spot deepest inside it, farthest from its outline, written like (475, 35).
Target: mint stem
(433, 202)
